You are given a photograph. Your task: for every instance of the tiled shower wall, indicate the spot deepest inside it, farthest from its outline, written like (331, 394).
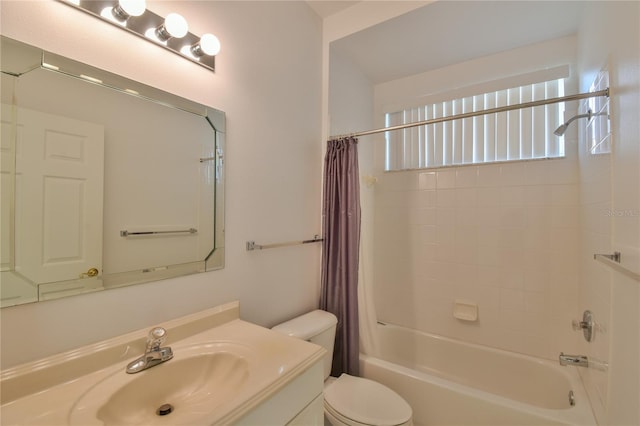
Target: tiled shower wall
(502, 235)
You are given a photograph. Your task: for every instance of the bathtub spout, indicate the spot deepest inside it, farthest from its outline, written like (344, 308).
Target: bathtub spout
(577, 360)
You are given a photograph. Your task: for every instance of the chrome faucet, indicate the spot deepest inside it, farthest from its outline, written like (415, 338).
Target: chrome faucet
(154, 354)
(577, 360)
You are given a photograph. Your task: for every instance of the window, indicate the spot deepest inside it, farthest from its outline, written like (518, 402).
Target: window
(507, 136)
(598, 129)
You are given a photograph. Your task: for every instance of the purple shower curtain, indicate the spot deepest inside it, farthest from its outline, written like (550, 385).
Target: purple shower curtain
(340, 250)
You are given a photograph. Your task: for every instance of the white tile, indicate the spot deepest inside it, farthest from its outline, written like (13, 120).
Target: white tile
(445, 216)
(446, 178)
(466, 254)
(536, 238)
(537, 195)
(563, 171)
(565, 217)
(488, 197)
(538, 218)
(466, 177)
(422, 199)
(564, 240)
(512, 320)
(489, 256)
(536, 172)
(512, 217)
(512, 237)
(488, 275)
(511, 277)
(535, 301)
(536, 258)
(465, 276)
(512, 300)
(446, 234)
(466, 235)
(466, 197)
(536, 279)
(467, 216)
(489, 217)
(446, 198)
(512, 258)
(513, 174)
(489, 175)
(427, 234)
(422, 216)
(564, 195)
(446, 253)
(512, 196)
(427, 180)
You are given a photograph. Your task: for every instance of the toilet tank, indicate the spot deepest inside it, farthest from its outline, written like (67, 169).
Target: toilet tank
(317, 327)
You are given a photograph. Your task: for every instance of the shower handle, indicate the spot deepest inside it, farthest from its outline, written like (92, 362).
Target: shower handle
(586, 325)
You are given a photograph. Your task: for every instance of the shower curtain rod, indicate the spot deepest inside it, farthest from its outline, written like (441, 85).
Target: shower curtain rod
(568, 98)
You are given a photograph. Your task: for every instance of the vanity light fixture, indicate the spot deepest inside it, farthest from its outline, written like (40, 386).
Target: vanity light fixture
(171, 32)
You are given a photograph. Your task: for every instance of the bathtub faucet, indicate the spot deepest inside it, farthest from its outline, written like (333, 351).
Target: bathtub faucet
(577, 360)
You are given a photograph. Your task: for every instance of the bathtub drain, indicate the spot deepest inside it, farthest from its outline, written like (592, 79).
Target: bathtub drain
(164, 410)
(572, 399)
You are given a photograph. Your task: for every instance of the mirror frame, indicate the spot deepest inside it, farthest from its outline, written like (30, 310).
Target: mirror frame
(19, 58)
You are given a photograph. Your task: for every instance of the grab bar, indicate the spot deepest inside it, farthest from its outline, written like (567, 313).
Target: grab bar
(125, 233)
(251, 245)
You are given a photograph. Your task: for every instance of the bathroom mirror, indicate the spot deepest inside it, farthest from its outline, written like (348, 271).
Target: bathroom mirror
(106, 182)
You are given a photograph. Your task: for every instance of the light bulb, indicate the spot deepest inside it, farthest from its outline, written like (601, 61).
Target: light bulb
(133, 7)
(208, 45)
(174, 26)
(124, 10)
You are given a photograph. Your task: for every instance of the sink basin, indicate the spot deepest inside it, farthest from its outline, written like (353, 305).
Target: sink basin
(198, 381)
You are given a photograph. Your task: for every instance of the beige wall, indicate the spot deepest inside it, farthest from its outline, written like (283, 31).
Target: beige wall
(268, 81)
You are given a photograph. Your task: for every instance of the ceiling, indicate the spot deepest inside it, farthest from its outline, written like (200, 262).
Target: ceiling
(448, 32)
(327, 8)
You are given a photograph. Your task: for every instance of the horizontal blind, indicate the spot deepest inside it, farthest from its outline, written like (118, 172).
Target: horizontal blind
(506, 136)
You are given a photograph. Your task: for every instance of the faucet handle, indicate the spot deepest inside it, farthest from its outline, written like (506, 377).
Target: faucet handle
(586, 325)
(156, 338)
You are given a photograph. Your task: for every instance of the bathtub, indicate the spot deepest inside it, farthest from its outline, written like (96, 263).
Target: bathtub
(449, 382)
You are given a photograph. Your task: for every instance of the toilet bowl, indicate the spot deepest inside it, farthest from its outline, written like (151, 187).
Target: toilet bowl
(348, 400)
(356, 401)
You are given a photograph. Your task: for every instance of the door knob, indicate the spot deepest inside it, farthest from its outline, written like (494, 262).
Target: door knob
(90, 273)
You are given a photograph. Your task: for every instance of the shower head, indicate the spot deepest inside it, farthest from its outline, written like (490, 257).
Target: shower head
(563, 127)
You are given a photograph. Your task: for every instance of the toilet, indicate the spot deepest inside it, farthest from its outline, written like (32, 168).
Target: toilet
(348, 400)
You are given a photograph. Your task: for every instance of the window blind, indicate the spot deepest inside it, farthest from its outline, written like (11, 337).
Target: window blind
(505, 136)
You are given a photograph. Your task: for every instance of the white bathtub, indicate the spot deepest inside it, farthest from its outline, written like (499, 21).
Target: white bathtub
(448, 382)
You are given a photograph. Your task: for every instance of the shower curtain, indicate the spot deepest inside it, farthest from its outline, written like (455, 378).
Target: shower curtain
(340, 250)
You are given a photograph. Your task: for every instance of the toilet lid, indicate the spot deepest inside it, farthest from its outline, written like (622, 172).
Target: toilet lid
(368, 402)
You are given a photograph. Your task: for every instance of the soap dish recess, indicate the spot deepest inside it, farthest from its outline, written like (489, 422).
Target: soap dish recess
(465, 310)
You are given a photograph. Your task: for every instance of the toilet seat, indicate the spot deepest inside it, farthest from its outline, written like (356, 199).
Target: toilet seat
(359, 401)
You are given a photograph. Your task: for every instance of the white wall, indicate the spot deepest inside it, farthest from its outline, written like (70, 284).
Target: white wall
(610, 210)
(268, 81)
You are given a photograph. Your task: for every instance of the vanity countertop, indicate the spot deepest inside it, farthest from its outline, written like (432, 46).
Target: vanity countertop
(51, 391)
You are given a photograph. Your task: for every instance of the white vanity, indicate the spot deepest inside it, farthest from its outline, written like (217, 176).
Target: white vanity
(223, 371)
